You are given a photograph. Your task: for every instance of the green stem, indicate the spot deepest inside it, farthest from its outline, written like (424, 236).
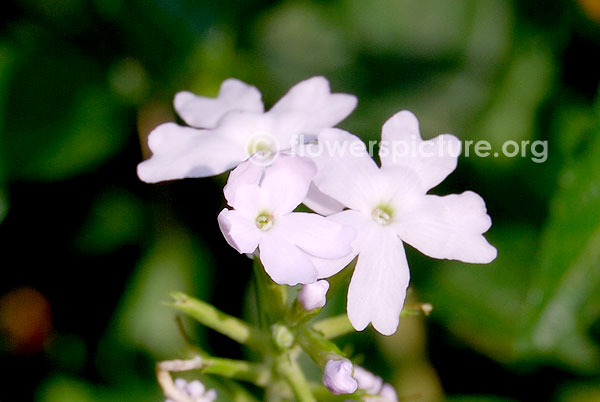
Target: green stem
(290, 370)
(318, 348)
(271, 298)
(333, 327)
(237, 369)
(339, 325)
(210, 316)
(237, 393)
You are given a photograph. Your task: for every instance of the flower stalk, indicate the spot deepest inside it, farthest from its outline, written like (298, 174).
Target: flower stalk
(215, 319)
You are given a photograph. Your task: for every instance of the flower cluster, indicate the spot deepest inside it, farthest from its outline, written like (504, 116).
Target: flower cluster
(362, 211)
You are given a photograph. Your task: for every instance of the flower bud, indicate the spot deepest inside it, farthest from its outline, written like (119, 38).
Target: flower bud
(313, 295)
(337, 377)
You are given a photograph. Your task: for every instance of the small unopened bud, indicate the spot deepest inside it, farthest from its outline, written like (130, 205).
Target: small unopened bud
(313, 295)
(388, 393)
(196, 390)
(282, 336)
(367, 380)
(337, 377)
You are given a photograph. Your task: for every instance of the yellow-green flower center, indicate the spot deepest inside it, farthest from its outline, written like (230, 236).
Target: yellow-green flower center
(262, 145)
(264, 221)
(382, 215)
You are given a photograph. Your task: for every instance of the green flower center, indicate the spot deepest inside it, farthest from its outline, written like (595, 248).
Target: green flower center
(263, 145)
(264, 221)
(383, 215)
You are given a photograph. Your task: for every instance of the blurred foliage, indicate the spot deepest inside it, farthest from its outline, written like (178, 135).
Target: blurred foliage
(83, 82)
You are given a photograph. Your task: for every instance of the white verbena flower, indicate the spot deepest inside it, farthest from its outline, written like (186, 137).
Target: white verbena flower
(263, 199)
(230, 128)
(313, 295)
(337, 377)
(196, 390)
(389, 205)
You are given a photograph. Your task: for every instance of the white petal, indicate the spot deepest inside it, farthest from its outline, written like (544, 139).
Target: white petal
(349, 218)
(180, 152)
(314, 102)
(203, 112)
(346, 171)
(240, 232)
(286, 182)
(401, 145)
(316, 235)
(337, 377)
(252, 131)
(313, 295)
(285, 263)
(378, 286)
(250, 201)
(321, 203)
(244, 174)
(449, 227)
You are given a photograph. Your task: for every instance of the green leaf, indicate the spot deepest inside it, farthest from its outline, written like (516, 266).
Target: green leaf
(524, 85)
(3, 204)
(60, 388)
(61, 118)
(579, 392)
(176, 262)
(116, 219)
(481, 304)
(429, 29)
(291, 32)
(7, 59)
(567, 277)
(477, 398)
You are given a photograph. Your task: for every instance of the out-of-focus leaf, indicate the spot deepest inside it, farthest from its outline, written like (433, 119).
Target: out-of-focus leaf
(116, 219)
(3, 204)
(477, 398)
(428, 29)
(481, 304)
(60, 388)
(61, 118)
(129, 80)
(579, 392)
(7, 59)
(446, 103)
(525, 84)
(490, 34)
(567, 276)
(176, 262)
(298, 40)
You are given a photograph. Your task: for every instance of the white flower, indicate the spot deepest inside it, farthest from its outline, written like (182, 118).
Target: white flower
(233, 126)
(374, 386)
(263, 200)
(196, 390)
(389, 205)
(313, 295)
(337, 377)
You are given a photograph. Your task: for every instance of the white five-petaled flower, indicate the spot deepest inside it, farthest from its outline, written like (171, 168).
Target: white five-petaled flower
(228, 129)
(389, 205)
(263, 199)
